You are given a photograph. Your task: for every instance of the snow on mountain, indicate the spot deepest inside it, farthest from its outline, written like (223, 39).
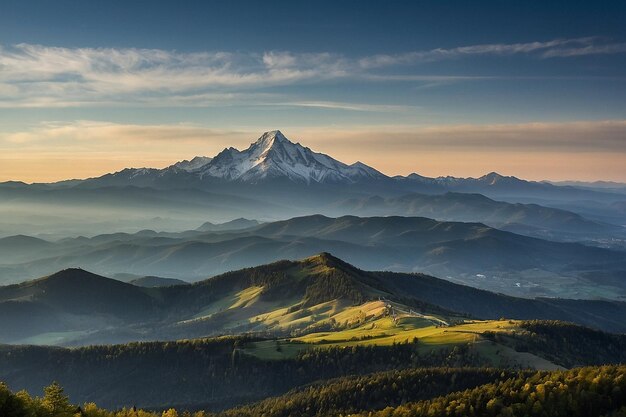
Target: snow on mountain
(194, 164)
(274, 156)
(491, 179)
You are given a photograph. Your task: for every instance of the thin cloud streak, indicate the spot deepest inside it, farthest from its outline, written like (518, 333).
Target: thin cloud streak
(551, 49)
(358, 107)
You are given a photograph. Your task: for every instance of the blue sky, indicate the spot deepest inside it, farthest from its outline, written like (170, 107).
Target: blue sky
(424, 71)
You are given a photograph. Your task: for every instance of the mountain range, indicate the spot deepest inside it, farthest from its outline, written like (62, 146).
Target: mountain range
(528, 219)
(469, 253)
(273, 157)
(275, 179)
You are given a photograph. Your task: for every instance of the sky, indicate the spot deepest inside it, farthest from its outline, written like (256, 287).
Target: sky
(534, 89)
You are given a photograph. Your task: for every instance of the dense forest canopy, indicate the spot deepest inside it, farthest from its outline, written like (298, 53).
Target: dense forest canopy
(584, 392)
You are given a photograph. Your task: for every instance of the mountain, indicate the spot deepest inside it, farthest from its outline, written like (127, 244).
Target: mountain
(416, 232)
(617, 187)
(531, 219)
(271, 157)
(595, 204)
(510, 188)
(88, 210)
(69, 300)
(236, 224)
(21, 248)
(291, 323)
(193, 164)
(469, 253)
(275, 179)
(274, 156)
(75, 307)
(76, 291)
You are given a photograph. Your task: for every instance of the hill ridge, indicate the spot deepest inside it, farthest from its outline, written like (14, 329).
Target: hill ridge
(280, 297)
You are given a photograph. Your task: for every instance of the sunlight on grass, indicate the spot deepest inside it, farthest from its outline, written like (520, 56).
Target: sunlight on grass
(383, 331)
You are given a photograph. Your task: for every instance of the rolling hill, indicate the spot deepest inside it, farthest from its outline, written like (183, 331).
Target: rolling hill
(75, 307)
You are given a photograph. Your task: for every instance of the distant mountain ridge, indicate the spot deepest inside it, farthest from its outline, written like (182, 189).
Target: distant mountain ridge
(236, 224)
(454, 206)
(275, 179)
(471, 253)
(273, 157)
(193, 164)
(273, 168)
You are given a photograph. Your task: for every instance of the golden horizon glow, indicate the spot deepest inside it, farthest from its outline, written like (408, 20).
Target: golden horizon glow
(585, 151)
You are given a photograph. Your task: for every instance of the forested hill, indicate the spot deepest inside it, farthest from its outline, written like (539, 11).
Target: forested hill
(228, 371)
(75, 307)
(582, 392)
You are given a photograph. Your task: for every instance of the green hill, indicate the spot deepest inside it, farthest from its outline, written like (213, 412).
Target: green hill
(296, 323)
(319, 293)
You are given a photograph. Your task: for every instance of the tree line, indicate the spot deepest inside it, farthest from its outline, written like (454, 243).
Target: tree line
(580, 392)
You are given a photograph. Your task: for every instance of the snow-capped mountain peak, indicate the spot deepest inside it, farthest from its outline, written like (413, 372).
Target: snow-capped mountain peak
(273, 156)
(268, 139)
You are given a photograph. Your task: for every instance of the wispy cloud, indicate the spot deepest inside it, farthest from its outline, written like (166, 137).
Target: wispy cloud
(582, 50)
(549, 49)
(39, 76)
(334, 105)
(43, 76)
